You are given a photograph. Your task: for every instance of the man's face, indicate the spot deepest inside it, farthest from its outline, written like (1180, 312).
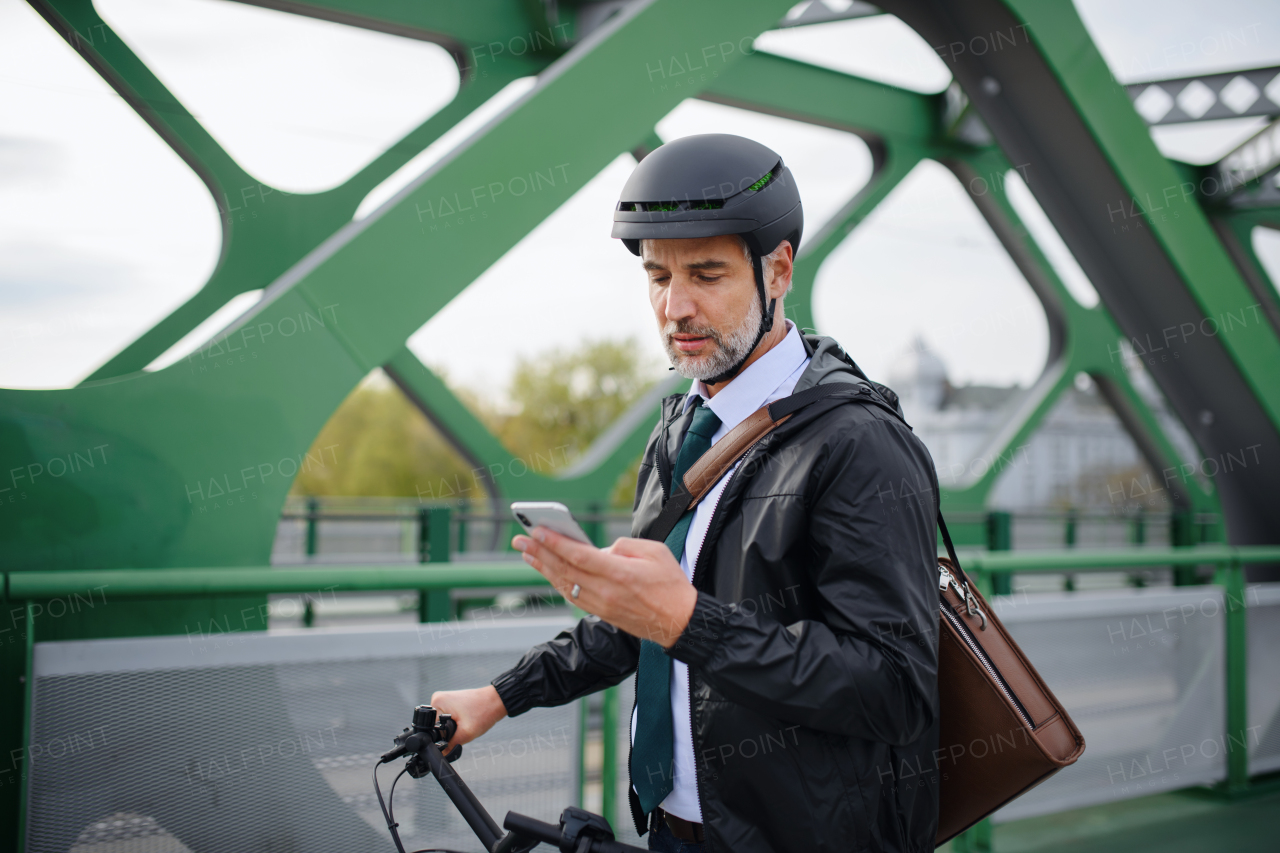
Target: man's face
(703, 294)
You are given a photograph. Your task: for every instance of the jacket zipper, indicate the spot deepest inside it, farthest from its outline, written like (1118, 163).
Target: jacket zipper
(966, 635)
(697, 785)
(688, 675)
(715, 517)
(631, 747)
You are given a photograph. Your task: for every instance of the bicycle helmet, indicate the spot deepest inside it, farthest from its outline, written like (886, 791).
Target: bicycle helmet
(708, 185)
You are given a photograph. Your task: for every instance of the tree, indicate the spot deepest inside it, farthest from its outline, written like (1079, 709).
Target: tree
(564, 400)
(384, 446)
(560, 401)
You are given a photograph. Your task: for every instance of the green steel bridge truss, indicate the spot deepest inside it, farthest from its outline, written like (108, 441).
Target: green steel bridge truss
(360, 289)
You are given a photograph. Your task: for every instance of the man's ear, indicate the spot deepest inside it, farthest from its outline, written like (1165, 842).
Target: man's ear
(779, 267)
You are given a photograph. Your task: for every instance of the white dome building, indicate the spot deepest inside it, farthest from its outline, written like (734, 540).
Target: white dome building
(1078, 447)
(920, 378)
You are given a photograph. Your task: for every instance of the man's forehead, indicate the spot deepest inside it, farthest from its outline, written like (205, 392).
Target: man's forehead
(690, 252)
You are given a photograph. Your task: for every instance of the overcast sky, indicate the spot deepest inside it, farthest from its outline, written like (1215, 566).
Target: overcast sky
(104, 231)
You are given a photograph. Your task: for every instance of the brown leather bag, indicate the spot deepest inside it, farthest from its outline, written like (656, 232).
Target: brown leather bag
(1002, 730)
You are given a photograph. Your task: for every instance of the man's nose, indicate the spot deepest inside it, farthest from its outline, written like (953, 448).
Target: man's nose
(680, 302)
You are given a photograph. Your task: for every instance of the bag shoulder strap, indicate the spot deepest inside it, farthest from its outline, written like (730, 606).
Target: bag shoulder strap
(951, 549)
(725, 453)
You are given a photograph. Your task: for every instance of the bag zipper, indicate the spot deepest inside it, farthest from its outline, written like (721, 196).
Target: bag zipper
(945, 579)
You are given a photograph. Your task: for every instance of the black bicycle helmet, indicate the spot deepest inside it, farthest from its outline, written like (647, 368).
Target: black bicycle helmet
(708, 185)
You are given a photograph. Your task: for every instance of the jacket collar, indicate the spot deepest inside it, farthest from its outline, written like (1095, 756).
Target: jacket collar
(750, 389)
(828, 363)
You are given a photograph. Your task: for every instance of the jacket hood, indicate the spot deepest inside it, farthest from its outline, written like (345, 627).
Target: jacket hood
(828, 363)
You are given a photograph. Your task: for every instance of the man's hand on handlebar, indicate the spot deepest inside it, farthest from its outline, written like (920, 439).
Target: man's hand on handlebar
(475, 711)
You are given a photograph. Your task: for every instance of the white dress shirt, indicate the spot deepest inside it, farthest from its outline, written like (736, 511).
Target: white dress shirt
(770, 377)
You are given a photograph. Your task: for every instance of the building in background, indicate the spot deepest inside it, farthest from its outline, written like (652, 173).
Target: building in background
(1079, 458)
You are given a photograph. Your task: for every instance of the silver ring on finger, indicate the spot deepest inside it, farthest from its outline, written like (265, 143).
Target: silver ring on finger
(577, 588)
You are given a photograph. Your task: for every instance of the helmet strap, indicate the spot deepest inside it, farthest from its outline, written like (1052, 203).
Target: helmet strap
(766, 321)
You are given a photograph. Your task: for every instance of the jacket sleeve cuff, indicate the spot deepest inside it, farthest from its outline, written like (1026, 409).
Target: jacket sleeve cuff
(513, 692)
(701, 637)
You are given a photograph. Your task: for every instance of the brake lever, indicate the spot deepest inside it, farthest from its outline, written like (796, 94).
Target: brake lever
(429, 727)
(443, 731)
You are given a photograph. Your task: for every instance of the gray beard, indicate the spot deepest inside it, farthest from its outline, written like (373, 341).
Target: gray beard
(729, 350)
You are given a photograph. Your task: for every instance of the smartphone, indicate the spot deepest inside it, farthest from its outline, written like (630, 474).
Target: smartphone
(548, 514)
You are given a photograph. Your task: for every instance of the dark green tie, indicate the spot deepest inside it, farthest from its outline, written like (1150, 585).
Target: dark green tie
(653, 753)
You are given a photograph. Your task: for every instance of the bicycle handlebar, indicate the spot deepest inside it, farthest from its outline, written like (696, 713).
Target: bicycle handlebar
(533, 828)
(579, 831)
(550, 833)
(481, 823)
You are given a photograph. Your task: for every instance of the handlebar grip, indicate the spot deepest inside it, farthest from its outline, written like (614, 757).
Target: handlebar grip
(533, 828)
(550, 833)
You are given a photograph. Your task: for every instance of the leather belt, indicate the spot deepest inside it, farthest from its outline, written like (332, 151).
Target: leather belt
(683, 829)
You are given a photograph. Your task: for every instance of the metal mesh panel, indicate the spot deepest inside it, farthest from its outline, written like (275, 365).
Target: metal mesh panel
(1142, 674)
(1263, 603)
(267, 741)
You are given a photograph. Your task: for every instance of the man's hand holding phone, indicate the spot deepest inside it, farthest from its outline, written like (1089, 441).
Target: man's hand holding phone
(634, 584)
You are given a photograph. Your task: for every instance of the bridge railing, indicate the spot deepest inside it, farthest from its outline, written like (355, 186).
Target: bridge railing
(992, 569)
(1232, 599)
(365, 529)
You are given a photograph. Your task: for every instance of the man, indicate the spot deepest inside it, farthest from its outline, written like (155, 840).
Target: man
(784, 634)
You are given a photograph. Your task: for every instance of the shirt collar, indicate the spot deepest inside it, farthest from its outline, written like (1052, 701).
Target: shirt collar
(749, 390)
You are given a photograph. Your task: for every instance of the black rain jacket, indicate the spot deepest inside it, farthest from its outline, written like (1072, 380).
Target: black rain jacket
(812, 649)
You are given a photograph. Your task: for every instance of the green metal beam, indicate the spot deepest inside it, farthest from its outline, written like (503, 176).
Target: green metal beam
(265, 230)
(487, 194)
(476, 31)
(903, 127)
(133, 583)
(1082, 340)
(1154, 184)
(771, 84)
(346, 308)
(896, 162)
(899, 125)
(1235, 229)
(1230, 576)
(1102, 560)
